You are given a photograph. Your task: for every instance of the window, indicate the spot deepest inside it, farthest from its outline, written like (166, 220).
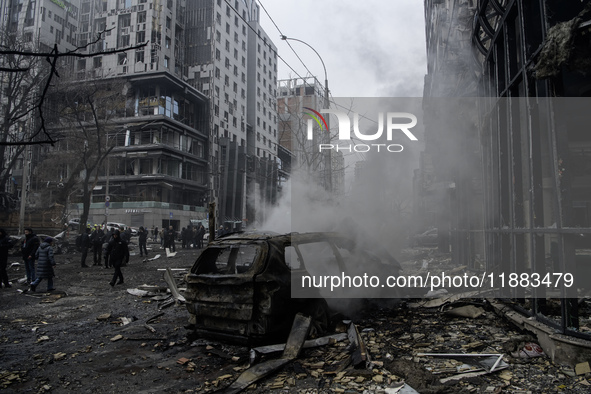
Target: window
(141, 17)
(167, 42)
(140, 37)
(217, 54)
(168, 22)
(166, 61)
(234, 259)
(139, 56)
(97, 62)
(124, 41)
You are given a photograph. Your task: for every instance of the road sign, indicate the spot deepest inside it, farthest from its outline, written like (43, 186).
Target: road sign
(171, 215)
(107, 198)
(107, 203)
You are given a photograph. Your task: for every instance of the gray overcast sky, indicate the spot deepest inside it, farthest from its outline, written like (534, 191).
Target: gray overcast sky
(371, 48)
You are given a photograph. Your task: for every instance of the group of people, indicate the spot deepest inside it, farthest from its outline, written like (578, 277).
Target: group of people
(116, 248)
(192, 236)
(33, 250)
(97, 239)
(112, 244)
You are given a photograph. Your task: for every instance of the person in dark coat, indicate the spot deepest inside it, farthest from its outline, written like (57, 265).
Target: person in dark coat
(193, 237)
(45, 264)
(183, 238)
(117, 254)
(5, 245)
(170, 239)
(200, 235)
(28, 249)
(142, 240)
(106, 240)
(126, 235)
(97, 238)
(84, 245)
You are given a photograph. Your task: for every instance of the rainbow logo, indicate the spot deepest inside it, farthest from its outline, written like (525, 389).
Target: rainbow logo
(316, 115)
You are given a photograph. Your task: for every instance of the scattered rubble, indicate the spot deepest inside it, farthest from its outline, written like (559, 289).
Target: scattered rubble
(113, 341)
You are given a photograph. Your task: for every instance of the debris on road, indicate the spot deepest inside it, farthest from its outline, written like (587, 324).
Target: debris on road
(173, 287)
(295, 342)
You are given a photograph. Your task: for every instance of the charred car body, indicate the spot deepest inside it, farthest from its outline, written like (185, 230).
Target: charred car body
(241, 286)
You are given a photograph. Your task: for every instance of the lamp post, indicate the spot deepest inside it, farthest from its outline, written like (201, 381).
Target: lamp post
(326, 105)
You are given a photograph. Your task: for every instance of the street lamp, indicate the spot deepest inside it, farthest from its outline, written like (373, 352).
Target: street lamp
(326, 101)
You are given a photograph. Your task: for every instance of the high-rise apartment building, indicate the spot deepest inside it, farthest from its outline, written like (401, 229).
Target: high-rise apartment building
(232, 60)
(43, 22)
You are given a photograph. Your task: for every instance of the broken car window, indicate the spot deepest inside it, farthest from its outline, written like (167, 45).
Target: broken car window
(227, 260)
(319, 257)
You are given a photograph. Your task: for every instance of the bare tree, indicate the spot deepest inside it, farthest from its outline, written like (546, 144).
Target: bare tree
(12, 45)
(20, 78)
(87, 114)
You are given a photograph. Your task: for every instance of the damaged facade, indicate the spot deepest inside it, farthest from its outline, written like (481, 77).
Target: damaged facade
(527, 206)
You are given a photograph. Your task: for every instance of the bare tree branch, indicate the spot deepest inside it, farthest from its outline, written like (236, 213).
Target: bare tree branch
(51, 58)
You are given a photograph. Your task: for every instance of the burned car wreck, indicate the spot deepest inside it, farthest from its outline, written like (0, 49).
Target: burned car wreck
(241, 288)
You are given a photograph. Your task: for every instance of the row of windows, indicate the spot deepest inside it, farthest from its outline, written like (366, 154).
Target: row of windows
(159, 166)
(160, 136)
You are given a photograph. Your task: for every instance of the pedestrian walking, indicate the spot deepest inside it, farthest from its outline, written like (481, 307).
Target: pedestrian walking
(156, 234)
(84, 245)
(117, 254)
(45, 265)
(142, 240)
(5, 245)
(28, 249)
